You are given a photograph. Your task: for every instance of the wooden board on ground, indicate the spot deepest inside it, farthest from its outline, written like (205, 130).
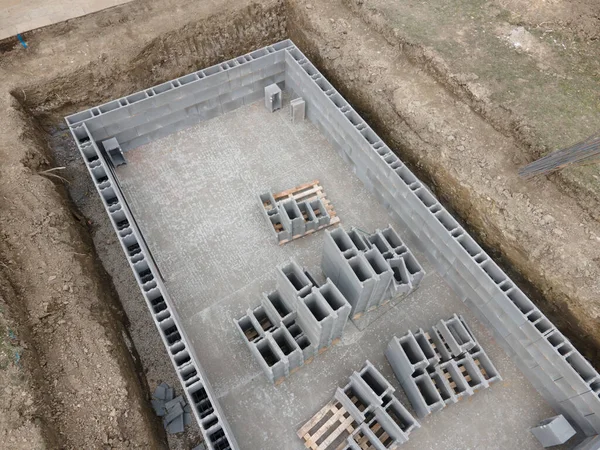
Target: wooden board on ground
(328, 428)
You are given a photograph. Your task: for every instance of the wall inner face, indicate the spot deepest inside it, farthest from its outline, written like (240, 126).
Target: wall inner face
(232, 91)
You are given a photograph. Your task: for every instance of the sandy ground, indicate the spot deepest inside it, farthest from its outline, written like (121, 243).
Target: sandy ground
(64, 348)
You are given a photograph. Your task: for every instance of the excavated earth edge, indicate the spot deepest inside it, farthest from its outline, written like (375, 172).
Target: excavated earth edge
(68, 357)
(537, 231)
(501, 117)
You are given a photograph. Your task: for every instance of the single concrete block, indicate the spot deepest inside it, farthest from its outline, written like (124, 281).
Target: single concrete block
(288, 347)
(114, 151)
(311, 222)
(316, 318)
(297, 110)
(553, 431)
(384, 277)
(292, 283)
(405, 356)
(389, 434)
(455, 335)
(291, 217)
(427, 346)
(399, 414)
(277, 308)
(349, 405)
(423, 395)
(269, 359)
(375, 380)
(591, 443)
(272, 98)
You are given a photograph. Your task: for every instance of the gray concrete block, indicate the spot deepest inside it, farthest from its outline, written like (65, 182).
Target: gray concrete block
(277, 308)
(273, 99)
(338, 303)
(349, 405)
(269, 359)
(423, 395)
(455, 335)
(288, 347)
(297, 110)
(291, 217)
(316, 318)
(375, 380)
(553, 431)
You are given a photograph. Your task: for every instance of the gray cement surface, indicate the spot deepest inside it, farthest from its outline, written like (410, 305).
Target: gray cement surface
(194, 197)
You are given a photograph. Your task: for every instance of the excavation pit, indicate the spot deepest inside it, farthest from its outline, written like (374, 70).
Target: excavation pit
(199, 149)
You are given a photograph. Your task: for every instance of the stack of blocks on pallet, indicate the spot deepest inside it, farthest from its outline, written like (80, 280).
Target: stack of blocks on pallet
(291, 219)
(293, 323)
(369, 416)
(440, 368)
(369, 270)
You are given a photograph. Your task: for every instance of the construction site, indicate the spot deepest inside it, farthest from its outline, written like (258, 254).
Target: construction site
(343, 225)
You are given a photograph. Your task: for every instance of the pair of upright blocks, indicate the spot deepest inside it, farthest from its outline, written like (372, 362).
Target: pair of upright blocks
(442, 367)
(293, 323)
(291, 219)
(369, 269)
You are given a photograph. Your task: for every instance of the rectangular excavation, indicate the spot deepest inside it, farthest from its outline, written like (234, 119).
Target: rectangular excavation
(193, 213)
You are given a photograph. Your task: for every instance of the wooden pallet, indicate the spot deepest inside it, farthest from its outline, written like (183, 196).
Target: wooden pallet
(326, 428)
(305, 192)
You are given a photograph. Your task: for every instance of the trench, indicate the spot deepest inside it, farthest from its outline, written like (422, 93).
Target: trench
(201, 44)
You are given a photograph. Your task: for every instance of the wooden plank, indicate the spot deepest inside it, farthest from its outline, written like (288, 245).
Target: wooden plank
(333, 436)
(315, 419)
(327, 425)
(287, 192)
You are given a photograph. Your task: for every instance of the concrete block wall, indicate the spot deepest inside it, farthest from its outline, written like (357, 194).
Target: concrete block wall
(296, 219)
(369, 270)
(297, 321)
(551, 363)
(383, 422)
(156, 112)
(441, 367)
(205, 407)
(558, 371)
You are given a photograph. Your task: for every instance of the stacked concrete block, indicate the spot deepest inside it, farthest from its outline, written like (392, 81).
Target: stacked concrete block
(553, 431)
(382, 421)
(156, 112)
(441, 367)
(293, 323)
(561, 374)
(591, 443)
(557, 370)
(369, 269)
(290, 219)
(114, 151)
(175, 411)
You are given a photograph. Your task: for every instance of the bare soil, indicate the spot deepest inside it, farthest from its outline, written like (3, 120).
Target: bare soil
(537, 231)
